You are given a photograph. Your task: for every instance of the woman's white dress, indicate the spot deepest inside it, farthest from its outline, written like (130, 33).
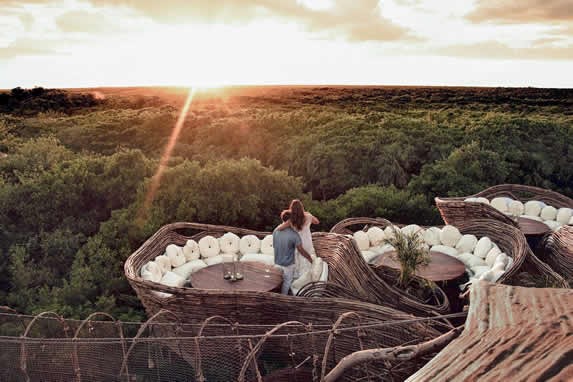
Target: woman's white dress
(302, 264)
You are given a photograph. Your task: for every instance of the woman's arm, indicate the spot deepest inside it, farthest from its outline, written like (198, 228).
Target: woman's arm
(284, 225)
(313, 219)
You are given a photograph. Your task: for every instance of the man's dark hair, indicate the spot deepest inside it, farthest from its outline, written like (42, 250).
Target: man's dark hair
(285, 215)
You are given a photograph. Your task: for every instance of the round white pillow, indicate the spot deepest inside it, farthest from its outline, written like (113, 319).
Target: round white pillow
(492, 256)
(450, 235)
(164, 263)
(548, 213)
(362, 240)
(501, 203)
(470, 260)
(515, 208)
(151, 272)
(483, 246)
(483, 200)
(533, 207)
(564, 215)
(175, 254)
(389, 231)
(249, 244)
(229, 243)
(502, 258)
(376, 236)
(467, 243)
(432, 236)
(411, 229)
(552, 224)
(209, 247)
(444, 249)
(498, 266)
(267, 245)
(191, 250)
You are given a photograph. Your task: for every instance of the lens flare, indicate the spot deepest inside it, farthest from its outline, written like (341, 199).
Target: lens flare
(156, 179)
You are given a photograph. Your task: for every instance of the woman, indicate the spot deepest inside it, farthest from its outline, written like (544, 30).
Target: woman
(300, 220)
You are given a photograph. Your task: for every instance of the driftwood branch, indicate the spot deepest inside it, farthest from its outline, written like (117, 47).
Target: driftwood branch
(397, 353)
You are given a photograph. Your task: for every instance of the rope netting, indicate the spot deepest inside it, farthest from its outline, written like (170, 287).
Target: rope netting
(48, 347)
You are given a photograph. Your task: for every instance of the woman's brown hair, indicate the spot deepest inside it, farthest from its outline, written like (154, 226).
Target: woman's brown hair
(297, 214)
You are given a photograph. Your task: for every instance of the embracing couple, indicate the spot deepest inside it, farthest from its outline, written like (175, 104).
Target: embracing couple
(292, 242)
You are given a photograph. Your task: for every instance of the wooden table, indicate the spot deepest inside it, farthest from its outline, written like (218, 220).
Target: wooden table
(441, 267)
(257, 276)
(532, 227)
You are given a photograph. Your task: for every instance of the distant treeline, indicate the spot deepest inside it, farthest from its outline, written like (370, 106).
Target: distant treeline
(73, 183)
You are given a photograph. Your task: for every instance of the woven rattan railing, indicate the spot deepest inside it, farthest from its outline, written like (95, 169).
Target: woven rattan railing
(558, 251)
(509, 239)
(49, 348)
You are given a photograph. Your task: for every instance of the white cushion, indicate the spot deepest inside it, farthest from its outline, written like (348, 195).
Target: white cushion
(229, 243)
(501, 203)
(369, 255)
(450, 235)
(411, 229)
(516, 208)
(389, 231)
(189, 267)
(191, 250)
(164, 263)
(324, 274)
(450, 251)
(492, 255)
(479, 270)
(471, 199)
(151, 272)
(259, 258)
(267, 245)
(498, 266)
(214, 260)
(491, 275)
(483, 246)
(552, 224)
(382, 249)
(470, 260)
(571, 221)
(502, 258)
(432, 236)
(175, 254)
(209, 247)
(249, 244)
(316, 269)
(564, 215)
(362, 240)
(548, 213)
(376, 236)
(509, 263)
(533, 207)
(483, 200)
(173, 280)
(467, 243)
(532, 217)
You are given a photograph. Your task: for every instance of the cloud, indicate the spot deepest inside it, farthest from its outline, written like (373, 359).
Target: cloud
(29, 47)
(84, 21)
(522, 11)
(496, 50)
(358, 20)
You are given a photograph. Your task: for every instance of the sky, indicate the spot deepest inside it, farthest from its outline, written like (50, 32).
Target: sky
(89, 43)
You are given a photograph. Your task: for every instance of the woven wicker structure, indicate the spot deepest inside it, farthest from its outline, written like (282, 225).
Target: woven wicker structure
(555, 246)
(455, 210)
(48, 347)
(511, 334)
(509, 239)
(346, 267)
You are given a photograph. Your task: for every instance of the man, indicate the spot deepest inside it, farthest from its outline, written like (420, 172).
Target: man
(285, 242)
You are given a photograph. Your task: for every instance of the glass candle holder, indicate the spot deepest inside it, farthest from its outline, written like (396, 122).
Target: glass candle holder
(228, 267)
(239, 272)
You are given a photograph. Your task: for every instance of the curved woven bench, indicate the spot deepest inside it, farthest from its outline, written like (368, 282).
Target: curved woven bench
(347, 267)
(507, 237)
(554, 246)
(456, 209)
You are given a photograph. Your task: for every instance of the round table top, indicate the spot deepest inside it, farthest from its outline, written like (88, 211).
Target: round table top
(441, 267)
(257, 277)
(532, 227)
